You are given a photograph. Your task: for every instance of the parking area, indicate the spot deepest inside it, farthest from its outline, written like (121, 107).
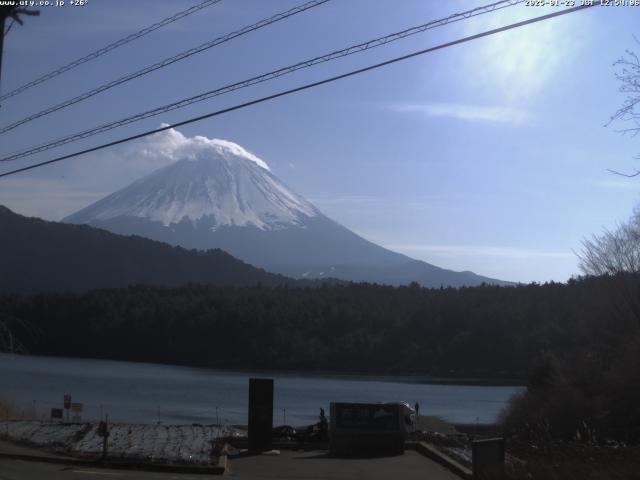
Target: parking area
(301, 465)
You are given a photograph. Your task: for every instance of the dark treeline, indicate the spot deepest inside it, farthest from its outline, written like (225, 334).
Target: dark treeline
(485, 331)
(588, 390)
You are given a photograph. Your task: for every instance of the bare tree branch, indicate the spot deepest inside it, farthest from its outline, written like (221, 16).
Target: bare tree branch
(628, 75)
(613, 252)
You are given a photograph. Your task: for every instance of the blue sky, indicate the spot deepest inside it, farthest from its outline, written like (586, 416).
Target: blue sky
(489, 156)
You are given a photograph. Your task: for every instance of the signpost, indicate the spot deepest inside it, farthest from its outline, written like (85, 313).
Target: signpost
(56, 413)
(76, 408)
(367, 427)
(103, 431)
(67, 404)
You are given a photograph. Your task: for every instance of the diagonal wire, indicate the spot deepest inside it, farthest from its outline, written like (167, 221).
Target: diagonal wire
(306, 86)
(166, 62)
(108, 48)
(263, 78)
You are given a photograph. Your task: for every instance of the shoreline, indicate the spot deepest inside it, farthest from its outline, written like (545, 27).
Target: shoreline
(369, 376)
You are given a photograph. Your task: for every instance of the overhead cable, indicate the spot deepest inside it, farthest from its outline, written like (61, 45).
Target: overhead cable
(304, 87)
(164, 63)
(361, 47)
(108, 48)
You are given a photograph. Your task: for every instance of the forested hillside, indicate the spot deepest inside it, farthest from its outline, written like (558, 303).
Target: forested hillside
(36, 256)
(483, 331)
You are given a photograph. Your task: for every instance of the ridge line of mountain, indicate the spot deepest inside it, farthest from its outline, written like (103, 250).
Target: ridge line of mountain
(217, 195)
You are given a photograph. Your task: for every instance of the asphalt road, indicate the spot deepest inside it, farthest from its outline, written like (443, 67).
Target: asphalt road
(22, 470)
(318, 465)
(287, 465)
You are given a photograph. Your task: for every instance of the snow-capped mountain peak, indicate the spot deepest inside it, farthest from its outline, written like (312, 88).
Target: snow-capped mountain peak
(215, 181)
(215, 194)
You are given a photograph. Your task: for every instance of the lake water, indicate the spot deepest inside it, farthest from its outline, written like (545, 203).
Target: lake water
(148, 393)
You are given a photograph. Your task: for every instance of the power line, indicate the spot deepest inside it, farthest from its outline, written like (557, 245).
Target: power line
(263, 78)
(305, 87)
(166, 62)
(108, 48)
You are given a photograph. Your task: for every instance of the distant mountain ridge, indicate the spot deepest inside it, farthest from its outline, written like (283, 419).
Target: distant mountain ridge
(40, 256)
(221, 196)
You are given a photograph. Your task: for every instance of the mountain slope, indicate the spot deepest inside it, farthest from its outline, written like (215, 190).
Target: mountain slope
(219, 195)
(37, 255)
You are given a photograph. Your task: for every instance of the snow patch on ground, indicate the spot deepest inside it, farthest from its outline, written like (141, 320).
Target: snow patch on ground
(45, 434)
(462, 454)
(183, 443)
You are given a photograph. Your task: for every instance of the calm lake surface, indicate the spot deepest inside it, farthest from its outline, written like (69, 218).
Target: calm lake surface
(148, 393)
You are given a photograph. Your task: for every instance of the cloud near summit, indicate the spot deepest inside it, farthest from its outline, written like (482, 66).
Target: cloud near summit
(171, 146)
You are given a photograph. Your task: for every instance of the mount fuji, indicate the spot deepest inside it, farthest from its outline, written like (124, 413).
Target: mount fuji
(218, 195)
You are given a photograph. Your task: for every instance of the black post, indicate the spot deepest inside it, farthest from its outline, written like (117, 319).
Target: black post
(260, 414)
(488, 457)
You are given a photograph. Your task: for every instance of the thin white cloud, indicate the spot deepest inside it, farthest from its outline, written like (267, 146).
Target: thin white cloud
(626, 184)
(344, 200)
(51, 199)
(480, 251)
(483, 113)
